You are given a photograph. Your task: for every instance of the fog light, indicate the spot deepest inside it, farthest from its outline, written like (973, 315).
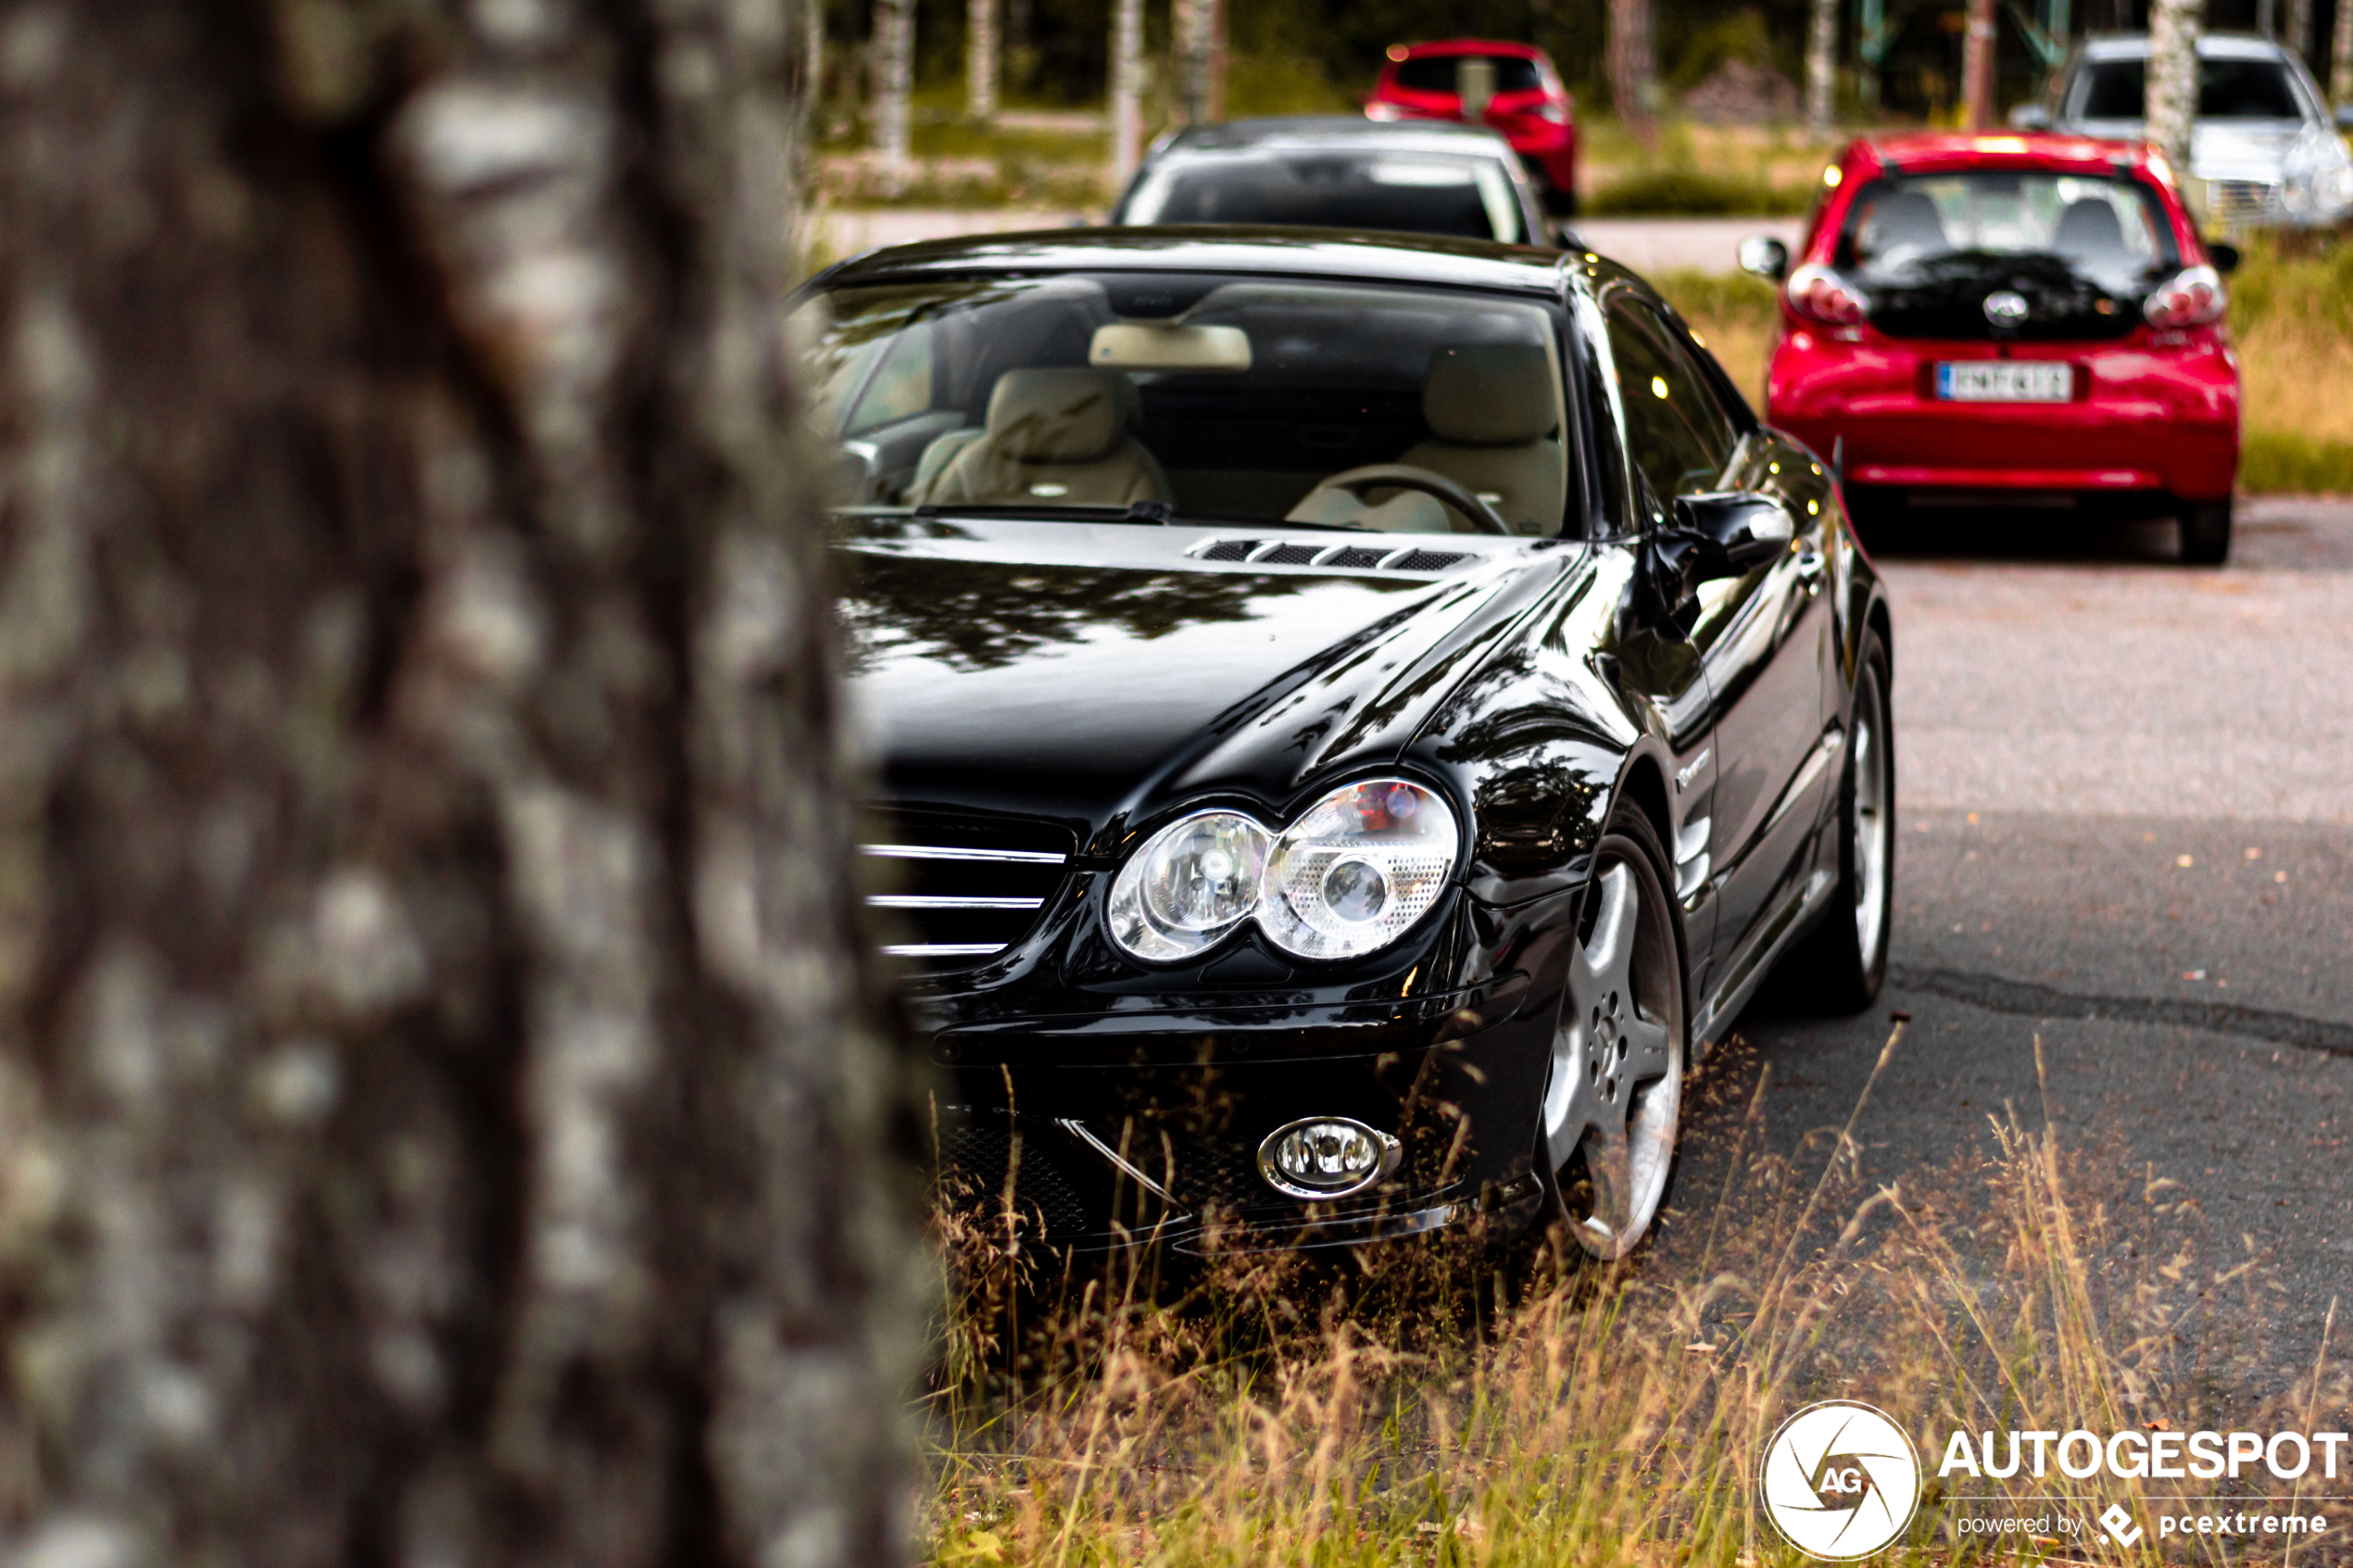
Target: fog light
(1326, 1157)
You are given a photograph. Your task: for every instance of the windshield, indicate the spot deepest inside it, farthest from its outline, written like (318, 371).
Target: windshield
(2109, 231)
(1420, 193)
(1435, 73)
(2226, 89)
(1217, 397)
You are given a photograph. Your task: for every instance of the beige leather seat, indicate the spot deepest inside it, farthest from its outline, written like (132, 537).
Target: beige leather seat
(1495, 411)
(1057, 435)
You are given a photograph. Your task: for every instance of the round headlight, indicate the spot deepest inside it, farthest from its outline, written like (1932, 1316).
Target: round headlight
(1356, 870)
(1191, 884)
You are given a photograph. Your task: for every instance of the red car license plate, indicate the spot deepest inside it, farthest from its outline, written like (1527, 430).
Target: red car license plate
(2005, 380)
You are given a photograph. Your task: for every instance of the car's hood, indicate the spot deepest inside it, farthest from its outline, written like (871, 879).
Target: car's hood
(1092, 672)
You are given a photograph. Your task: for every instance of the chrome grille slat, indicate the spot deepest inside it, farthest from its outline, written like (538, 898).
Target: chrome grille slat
(950, 890)
(944, 852)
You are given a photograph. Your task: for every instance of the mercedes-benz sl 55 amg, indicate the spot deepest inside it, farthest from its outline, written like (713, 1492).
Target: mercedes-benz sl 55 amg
(1356, 718)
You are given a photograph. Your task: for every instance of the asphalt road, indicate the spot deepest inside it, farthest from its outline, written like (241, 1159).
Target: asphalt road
(2126, 797)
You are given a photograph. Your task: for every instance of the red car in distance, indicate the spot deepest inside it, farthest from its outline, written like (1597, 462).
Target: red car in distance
(1977, 317)
(1526, 103)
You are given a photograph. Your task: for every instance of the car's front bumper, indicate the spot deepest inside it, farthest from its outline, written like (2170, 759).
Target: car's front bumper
(1094, 1131)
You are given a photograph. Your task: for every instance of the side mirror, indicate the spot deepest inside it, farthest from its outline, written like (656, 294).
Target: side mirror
(2029, 117)
(2345, 116)
(1741, 530)
(1765, 256)
(2225, 256)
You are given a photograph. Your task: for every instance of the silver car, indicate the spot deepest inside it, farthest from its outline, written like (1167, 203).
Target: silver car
(2264, 152)
(1338, 171)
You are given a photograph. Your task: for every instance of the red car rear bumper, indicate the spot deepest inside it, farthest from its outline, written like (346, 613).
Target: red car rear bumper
(2147, 415)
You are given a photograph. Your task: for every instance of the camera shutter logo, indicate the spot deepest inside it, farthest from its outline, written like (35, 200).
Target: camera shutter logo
(1840, 1480)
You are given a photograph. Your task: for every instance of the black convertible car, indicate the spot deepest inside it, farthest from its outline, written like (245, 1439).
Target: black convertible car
(1359, 715)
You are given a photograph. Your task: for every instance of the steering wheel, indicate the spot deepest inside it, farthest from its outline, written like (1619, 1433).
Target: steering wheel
(1405, 476)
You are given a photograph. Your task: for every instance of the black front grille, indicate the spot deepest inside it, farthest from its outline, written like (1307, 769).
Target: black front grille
(1355, 558)
(975, 1161)
(1231, 549)
(1425, 560)
(1293, 555)
(954, 891)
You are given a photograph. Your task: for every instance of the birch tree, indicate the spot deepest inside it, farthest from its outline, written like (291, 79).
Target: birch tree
(1631, 67)
(2341, 55)
(2172, 111)
(980, 60)
(893, 86)
(1822, 70)
(440, 1120)
(1126, 90)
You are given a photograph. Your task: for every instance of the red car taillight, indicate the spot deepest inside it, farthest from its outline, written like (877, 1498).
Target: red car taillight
(1819, 294)
(2191, 297)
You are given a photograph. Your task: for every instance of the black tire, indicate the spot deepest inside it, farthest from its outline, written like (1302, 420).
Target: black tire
(2206, 531)
(1649, 1108)
(1840, 968)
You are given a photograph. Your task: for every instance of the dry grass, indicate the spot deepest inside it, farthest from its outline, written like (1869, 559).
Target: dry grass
(1428, 1406)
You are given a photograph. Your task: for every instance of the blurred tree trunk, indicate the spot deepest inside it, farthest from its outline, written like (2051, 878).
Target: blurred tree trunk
(440, 1118)
(2299, 28)
(1631, 67)
(1189, 22)
(1126, 90)
(894, 86)
(1976, 65)
(2341, 55)
(1214, 101)
(980, 60)
(2174, 26)
(1822, 70)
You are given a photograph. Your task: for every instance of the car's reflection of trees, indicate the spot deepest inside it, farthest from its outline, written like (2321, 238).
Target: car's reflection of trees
(983, 615)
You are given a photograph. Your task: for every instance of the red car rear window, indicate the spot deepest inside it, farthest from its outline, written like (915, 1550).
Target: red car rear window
(1435, 73)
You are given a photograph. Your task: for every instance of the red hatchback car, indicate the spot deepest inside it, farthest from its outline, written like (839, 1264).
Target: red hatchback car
(2028, 317)
(1528, 106)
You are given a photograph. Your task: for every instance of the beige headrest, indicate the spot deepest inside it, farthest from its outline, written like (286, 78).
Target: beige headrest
(1491, 394)
(1057, 416)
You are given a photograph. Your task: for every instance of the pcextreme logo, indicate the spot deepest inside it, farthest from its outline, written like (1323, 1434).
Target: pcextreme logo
(1840, 1480)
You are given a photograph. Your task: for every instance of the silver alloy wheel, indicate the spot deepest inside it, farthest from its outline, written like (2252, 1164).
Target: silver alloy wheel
(1614, 1095)
(1869, 850)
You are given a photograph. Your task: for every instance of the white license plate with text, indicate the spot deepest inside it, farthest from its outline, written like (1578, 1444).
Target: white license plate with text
(2005, 380)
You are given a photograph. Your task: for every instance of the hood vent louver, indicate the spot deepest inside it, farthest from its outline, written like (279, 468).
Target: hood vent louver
(1335, 557)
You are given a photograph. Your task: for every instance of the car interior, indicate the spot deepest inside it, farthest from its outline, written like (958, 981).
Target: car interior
(2103, 228)
(1256, 402)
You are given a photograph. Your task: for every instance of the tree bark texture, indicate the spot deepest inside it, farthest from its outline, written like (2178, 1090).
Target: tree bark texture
(1191, 21)
(440, 1117)
(2174, 26)
(1822, 70)
(1976, 65)
(894, 83)
(1126, 90)
(980, 59)
(1215, 100)
(1631, 64)
(2341, 55)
